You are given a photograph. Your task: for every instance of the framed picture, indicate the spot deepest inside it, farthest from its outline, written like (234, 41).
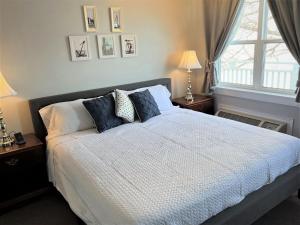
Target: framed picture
(115, 18)
(90, 18)
(129, 45)
(107, 46)
(80, 48)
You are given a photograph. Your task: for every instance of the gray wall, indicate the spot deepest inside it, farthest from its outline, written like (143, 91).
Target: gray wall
(35, 58)
(34, 52)
(197, 40)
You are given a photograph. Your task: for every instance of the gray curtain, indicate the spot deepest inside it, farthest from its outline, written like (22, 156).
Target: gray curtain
(286, 14)
(220, 18)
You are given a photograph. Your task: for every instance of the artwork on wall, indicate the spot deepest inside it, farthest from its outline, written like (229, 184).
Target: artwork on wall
(129, 45)
(116, 20)
(80, 48)
(90, 18)
(107, 46)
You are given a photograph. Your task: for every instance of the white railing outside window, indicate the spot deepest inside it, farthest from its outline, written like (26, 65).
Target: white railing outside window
(257, 58)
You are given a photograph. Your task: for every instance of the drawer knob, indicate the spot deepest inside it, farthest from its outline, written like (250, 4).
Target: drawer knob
(12, 162)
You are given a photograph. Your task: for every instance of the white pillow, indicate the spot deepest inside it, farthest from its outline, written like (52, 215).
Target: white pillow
(124, 107)
(162, 97)
(66, 117)
(160, 94)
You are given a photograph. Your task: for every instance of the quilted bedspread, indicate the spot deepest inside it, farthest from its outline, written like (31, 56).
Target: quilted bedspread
(179, 168)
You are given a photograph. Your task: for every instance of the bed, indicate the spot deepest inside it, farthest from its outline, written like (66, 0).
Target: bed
(158, 173)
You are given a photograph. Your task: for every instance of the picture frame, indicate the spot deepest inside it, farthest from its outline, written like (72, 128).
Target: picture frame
(116, 20)
(80, 48)
(107, 46)
(90, 18)
(129, 45)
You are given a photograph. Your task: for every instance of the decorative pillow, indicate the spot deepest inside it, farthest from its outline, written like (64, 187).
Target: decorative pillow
(65, 118)
(124, 107)
(102, 111)
(144, 105)
(160, 94)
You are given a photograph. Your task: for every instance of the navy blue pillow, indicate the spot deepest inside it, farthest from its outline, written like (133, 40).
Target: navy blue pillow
(144, 104)
(102, 111)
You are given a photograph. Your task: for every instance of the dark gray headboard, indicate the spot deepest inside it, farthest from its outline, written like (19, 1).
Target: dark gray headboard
(37, 104)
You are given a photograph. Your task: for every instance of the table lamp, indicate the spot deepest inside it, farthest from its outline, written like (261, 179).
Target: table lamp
(5, 91)
(189, 61)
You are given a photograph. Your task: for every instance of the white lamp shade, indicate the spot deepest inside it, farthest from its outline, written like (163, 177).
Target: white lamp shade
(189, 61)
(5, 88)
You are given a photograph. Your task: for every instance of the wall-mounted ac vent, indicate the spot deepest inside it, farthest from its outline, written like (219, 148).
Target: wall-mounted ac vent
(253, 120)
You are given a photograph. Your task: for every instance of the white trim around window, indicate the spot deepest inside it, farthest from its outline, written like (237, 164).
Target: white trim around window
(258, 83)
(260, 96)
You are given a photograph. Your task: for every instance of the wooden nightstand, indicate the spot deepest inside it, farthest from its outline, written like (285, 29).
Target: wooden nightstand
(23, 172)
(201, 103)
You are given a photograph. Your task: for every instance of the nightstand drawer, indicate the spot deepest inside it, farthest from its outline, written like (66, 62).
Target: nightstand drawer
(201, 103)
(22, 173)
(20, 162)
(205, 107)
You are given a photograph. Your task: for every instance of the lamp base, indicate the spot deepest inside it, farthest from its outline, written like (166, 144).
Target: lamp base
(6, 141)
(189, 97)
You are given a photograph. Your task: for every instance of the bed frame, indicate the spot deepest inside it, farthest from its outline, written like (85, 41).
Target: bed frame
(246, 212)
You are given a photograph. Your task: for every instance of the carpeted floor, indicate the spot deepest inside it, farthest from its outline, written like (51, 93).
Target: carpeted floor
(53, 210)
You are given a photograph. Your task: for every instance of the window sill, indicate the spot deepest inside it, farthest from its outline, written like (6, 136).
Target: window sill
(261, 96)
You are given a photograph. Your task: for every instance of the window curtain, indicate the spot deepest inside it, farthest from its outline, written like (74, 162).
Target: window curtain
(220, 18)
(287, 18)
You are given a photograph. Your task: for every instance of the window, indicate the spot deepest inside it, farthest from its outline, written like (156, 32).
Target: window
(257, 57)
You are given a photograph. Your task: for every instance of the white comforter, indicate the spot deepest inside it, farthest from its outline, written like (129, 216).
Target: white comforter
(180, 168)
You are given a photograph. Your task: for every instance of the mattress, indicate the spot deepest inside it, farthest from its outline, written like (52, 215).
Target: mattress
(179, 168)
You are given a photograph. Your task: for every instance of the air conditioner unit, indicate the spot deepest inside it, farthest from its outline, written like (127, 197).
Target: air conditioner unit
(253, 120)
